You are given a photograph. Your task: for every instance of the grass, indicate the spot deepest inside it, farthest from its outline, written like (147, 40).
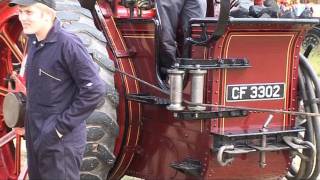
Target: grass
(314, 58)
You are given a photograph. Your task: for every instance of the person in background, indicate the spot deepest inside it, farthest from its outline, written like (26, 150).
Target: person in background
(173, 12)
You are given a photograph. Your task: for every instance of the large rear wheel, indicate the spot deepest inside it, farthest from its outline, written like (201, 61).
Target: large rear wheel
(102, 127)
(12, 47)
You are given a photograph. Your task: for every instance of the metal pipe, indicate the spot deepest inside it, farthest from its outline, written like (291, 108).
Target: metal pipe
(262, 162)
(221, 161)
(304, 173)
(176, 87)
(306, 143)
(197, 86)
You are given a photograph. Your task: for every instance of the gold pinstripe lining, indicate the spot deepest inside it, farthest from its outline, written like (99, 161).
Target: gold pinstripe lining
(129, 105)
(286, 76)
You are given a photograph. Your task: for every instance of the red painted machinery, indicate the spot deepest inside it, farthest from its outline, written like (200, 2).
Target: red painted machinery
(242, 102)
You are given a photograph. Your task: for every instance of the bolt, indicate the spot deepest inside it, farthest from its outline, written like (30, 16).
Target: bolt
(196, 115)
(110, 161)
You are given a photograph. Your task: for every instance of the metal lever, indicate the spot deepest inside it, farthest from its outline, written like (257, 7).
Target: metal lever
(264, 141)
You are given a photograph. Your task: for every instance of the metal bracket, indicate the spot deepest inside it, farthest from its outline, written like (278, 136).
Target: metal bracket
(195, 115)
(192, 64)
(275, 140)
(146, 99)
(188, 166)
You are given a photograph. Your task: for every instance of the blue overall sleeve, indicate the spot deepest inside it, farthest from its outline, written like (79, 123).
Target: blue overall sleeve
(91, 88)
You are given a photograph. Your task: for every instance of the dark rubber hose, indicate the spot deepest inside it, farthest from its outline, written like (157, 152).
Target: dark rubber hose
(306, 167)
(313, 90)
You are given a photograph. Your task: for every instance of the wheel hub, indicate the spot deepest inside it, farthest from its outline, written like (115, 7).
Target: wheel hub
(14, 109)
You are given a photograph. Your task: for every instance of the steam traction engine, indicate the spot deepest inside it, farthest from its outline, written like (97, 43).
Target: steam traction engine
(241, 102)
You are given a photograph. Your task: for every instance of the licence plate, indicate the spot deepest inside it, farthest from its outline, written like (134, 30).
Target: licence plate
(251, 92)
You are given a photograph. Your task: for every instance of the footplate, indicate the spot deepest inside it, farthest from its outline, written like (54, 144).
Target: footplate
(228, 145)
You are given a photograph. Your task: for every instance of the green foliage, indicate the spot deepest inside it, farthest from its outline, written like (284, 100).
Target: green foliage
(314, 58)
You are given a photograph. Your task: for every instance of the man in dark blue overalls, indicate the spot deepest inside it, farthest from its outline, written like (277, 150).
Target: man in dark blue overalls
(63, 89)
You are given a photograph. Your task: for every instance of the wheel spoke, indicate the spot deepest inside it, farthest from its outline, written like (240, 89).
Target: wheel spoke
(3, 91)
(12, 55)
(12, 46)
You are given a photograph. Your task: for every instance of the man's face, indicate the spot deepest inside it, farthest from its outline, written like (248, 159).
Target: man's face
(32, 19)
